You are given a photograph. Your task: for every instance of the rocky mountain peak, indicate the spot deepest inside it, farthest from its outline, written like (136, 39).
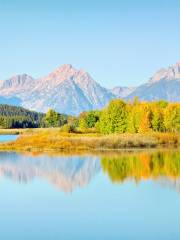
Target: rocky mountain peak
(64, 68)
(66, 73)
(170, 73)
(63, 71)
(17, 81)
(82, 72)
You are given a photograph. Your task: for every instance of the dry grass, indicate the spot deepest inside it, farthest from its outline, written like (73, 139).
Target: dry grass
(55, 140)
(167, 138)
(12, 131)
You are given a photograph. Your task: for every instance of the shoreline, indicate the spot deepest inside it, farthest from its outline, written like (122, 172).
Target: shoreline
(95, 152)
(53, 140)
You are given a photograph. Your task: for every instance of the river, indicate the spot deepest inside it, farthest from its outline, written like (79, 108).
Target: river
(131, 195)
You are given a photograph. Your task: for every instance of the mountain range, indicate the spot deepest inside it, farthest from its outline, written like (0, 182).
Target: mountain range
(71, 91)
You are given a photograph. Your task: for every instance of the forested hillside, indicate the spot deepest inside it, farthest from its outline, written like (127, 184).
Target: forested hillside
(18, 117)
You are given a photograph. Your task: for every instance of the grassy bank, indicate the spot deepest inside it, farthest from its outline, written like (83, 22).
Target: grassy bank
(55, 140)
(12, 131)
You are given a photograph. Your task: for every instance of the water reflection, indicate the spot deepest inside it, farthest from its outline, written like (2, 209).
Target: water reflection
(66, 173)
(163, 167)
(69, 172)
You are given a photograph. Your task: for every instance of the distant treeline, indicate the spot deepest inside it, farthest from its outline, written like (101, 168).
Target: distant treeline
(18, 117)
(133, 117)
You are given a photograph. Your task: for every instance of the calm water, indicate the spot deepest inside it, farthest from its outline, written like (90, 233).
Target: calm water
(6, 138)
(124, 196)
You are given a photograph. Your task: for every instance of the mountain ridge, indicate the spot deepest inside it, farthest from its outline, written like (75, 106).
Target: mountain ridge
(170, 73)
(71, 91)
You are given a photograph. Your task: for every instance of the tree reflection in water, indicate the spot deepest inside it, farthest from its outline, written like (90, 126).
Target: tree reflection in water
(143, 165)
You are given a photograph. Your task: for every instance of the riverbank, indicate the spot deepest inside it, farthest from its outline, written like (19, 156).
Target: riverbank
(55, 140)
(12, 131)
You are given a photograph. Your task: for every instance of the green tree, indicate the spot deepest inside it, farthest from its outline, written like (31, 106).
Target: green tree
(157, 121)
(172, 117)
(113, 119)
(51, 118)
(88, 119)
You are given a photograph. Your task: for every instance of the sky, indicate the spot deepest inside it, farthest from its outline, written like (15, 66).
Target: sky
(119, 42)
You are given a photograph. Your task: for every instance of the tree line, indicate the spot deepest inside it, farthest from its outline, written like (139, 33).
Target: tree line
(133, 117)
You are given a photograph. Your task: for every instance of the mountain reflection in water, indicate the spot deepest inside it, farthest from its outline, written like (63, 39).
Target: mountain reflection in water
(69, 172)
(66, 173)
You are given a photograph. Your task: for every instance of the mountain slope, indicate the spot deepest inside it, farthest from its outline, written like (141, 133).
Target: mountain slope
(66, 97)
(122, 92)
(167, 90)
(96, 94)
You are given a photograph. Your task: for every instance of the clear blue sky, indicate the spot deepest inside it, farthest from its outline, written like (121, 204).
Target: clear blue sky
(118, 42)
